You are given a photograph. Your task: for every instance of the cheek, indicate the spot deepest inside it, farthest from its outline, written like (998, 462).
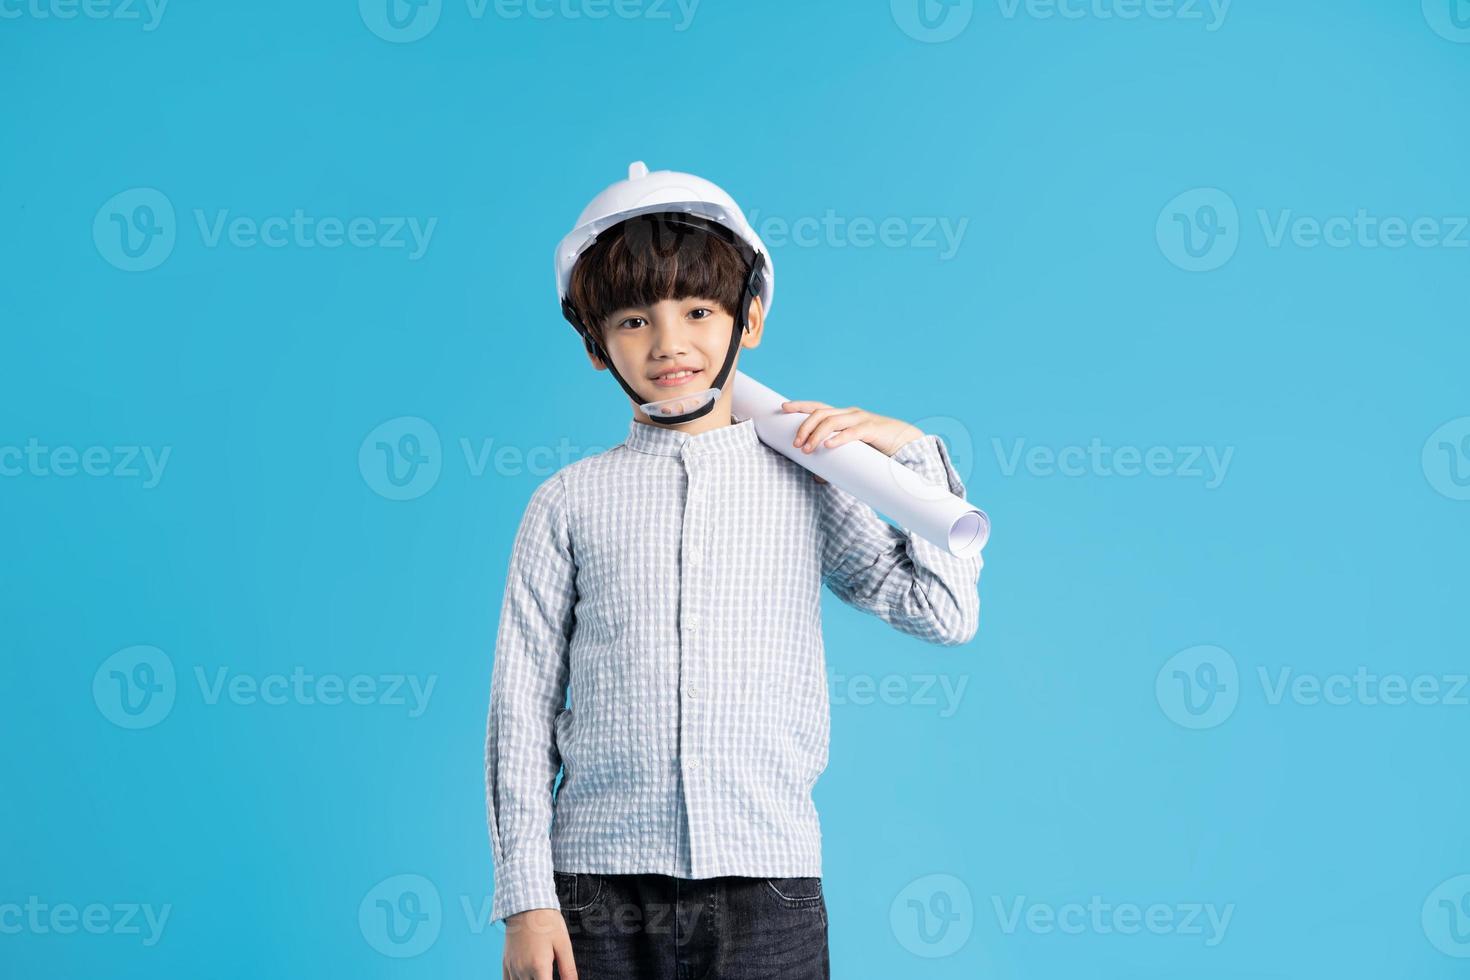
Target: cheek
(625, 351)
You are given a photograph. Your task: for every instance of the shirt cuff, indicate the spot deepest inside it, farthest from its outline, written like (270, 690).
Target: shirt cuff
(928, 456)
(527, 884)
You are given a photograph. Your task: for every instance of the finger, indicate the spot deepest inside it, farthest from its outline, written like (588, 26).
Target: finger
(565, 964)
(802, 406)
(807, 430)
(809, 424)
(829, 425)
(854, 431)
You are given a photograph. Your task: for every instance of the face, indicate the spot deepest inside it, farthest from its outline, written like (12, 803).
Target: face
(675, 347)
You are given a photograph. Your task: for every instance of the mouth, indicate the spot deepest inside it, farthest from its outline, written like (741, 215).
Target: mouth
(678, 379)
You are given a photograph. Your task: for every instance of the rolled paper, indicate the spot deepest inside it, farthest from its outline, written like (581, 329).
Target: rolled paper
(926, 509)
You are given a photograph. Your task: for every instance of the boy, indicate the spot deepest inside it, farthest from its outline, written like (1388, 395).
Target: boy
(672, 584)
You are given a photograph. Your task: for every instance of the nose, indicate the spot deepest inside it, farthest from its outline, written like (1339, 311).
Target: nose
(669, 337)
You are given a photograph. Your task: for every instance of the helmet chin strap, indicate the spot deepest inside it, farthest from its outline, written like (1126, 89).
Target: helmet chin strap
(667, 411)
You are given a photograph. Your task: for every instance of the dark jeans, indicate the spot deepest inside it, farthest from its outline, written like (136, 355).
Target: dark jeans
(655, 927)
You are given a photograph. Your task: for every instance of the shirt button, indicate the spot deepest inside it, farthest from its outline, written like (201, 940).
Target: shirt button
(692, 623)
(693, 764)
(692, 691)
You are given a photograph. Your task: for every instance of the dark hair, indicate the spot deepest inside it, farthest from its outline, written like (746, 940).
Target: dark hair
(652, 257)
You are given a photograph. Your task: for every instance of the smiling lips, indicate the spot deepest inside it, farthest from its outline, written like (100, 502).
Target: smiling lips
(675, 379)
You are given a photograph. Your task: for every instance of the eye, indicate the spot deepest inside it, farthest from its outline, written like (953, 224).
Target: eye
(701, 309)
(636, 320)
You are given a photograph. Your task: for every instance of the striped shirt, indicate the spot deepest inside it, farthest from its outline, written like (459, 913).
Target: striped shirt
(660, 646)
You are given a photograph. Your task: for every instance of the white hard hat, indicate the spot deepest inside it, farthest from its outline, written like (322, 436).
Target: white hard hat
(661, 191)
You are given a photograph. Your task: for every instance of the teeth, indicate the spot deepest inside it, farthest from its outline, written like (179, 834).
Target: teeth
(675, 375)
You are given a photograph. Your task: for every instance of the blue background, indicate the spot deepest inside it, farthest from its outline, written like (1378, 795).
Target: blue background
(1333, 541)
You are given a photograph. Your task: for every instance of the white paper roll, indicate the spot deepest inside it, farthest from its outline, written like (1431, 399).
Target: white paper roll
(926, 509)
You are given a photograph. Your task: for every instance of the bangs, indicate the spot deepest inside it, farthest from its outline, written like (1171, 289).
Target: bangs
(649, 258)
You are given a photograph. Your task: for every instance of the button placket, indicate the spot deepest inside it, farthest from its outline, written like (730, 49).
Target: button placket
(690, 597)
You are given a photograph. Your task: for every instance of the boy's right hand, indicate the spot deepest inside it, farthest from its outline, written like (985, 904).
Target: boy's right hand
(537, 946)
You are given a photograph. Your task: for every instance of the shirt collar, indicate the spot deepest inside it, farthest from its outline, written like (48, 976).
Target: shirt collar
(649, 437)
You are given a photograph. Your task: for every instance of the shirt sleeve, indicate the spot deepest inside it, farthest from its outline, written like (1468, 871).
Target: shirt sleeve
(907, 581)
(527, 692)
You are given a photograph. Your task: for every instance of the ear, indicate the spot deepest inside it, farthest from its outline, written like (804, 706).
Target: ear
(755, 323)
(597, 362)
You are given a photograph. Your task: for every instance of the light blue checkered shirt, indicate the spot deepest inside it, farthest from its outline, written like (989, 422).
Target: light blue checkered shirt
(672, 584)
